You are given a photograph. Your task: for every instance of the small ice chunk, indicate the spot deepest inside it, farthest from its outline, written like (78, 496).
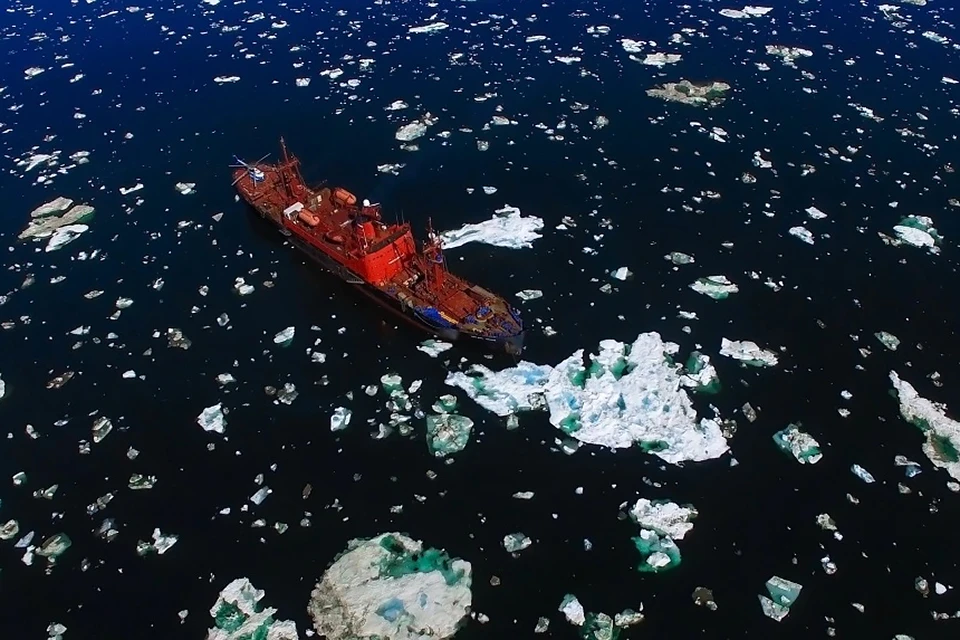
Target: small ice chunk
(802, 233)
(888, 340)
(212, 418)
(621, 273)
(285, 337)
(516, 542)
(862, 473)
(340, 419)
(64, 236)
(238, 614)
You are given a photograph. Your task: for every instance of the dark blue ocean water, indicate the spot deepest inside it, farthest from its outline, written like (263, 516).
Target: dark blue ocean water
(150, 73)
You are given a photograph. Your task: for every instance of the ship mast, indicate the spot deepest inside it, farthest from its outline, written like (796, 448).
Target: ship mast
(433, 256)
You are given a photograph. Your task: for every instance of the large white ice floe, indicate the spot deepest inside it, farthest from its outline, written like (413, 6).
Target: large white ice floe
(238, 615)
(747, 352)
(507, 228)
(629, 394)
(943, 433)
(916, 231)
(799, 444)
(391, 588)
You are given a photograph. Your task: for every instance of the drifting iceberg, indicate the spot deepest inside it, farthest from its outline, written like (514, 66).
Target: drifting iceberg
(391, 588)
(238, 615)
(631, 394)
(212, 418)
(918, 231)
(801, 445)
(507, 228)
(717, 287)
(943, 433)
(661, 522)
(596, 626)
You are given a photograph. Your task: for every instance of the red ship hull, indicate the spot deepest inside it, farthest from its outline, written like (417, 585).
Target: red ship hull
(381, 260)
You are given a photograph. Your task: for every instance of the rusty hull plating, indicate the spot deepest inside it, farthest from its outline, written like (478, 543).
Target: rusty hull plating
(382, 260)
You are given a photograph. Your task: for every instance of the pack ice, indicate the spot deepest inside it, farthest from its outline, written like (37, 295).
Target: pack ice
(943, 433)
(629, 394)
(507, 228)
(391, 588)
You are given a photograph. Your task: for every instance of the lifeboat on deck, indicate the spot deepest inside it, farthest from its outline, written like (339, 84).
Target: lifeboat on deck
(307, 218)
(343, 197)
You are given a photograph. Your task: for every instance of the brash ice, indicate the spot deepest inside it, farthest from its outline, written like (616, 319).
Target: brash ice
(382, 260)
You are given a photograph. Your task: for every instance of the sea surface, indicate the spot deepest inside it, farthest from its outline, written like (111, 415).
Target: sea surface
(134, 87)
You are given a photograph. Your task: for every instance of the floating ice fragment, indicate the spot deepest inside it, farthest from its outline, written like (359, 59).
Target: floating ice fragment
(64, 236)
(185, 188)
(391, 587)
(101, 429)
(717, 287)
(621, 274)
(238, 614)
(801, 445)
(448, 433)
(285, 337)
(226, 79)
(783, 593)
(212, 418)
(746, 12)
(160, 545)
(661, 59)
(433, 27)
(261, 495)
(571, 608)
(529, 294)
(664, 517)
(340, 419)
(694, 94)
(942, 445)
(862, 473)
(747, 352)
(507, 228)
(434, 348)
(802, 233)
(516, 542)
(411, 131)
(815, 214)
(888, 340)
(918, 231)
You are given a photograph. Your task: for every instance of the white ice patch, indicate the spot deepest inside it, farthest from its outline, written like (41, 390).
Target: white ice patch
(507, 228)
(943, 433)
(64, 236)
(212, 418)
(748, 352)
(433, 27)
(627, 397)
(242, 597)
(665, 518)
(802, 233)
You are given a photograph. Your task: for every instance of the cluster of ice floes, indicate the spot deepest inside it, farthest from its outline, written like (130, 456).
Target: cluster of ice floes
(783, 593)
(391, 587)
(59, 220)
(593, 626)
(748, 353)
(706, 94)
(943, 434)
(747, 12)
(661, 523)
(507, 228)
(629, 395)
(239, 615)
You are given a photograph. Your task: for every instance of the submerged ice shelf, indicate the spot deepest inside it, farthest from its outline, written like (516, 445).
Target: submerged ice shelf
(628, 395)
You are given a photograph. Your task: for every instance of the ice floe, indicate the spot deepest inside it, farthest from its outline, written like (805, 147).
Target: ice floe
(629, 395)
(507, 228)
(707, 94)
(747, 352)
(942, 445)
(238, 615)
(391, 587)
(800, 445)
(661, 523)
(717, 287)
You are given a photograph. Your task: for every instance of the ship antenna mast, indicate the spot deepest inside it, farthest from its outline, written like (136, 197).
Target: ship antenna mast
(283, 148)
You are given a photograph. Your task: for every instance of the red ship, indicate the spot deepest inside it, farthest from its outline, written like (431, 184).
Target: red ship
(382, 260)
